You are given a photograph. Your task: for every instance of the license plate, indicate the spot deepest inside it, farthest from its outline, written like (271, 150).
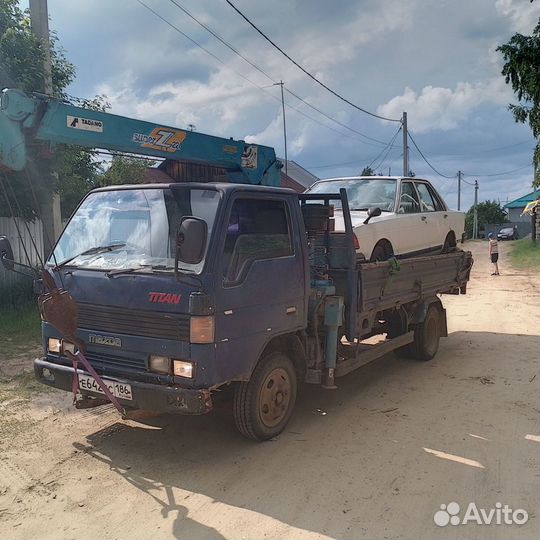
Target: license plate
(117, 389)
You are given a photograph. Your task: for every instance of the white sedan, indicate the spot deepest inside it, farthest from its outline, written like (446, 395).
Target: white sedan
(407, 217)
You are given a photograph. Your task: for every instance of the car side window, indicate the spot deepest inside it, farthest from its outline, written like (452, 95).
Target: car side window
(257, 229)
(427, 203)
(408, 201)
(439, 206)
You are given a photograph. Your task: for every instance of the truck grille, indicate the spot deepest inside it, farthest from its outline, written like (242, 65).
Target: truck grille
(139, 323)
(112, 362)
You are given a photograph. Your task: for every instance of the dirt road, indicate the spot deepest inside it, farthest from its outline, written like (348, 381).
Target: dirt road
(374, 459)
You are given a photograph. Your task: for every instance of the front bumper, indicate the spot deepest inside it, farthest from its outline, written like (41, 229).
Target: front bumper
(151, 397)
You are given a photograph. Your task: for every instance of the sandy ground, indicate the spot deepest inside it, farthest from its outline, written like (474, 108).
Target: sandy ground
(374, 459)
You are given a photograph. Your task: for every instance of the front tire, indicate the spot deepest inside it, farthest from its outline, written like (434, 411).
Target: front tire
(264, 404)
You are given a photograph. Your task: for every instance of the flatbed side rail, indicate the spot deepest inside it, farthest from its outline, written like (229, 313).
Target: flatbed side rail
(383, 287)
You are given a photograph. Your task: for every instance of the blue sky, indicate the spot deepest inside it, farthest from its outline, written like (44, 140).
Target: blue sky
(435, 59)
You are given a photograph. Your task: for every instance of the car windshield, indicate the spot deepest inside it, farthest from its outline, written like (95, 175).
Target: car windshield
(363, 193)
(132, 228)
(506, 231)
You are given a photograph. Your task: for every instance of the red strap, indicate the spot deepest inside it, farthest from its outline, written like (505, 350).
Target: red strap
(75, 385)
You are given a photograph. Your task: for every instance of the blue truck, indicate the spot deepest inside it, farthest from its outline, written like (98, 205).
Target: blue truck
(184, 289)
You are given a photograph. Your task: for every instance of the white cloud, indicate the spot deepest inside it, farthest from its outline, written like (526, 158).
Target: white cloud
(443, 108)
(523, 14)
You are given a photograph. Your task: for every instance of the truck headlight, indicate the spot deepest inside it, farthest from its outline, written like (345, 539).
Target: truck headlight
(160, 364)
(68, 346)
(202, 329)
(182, 368)
(54, 345)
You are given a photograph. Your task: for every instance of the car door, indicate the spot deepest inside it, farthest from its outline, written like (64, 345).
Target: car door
(432, 216)
(408, 222)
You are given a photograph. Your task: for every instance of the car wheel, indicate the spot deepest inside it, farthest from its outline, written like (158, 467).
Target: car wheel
(450, 243)
(382, 251)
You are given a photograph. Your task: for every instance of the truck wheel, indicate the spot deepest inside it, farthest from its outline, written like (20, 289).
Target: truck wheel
(264, 404)
(427, 335)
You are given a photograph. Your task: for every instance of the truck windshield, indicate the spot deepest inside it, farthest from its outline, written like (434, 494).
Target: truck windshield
(363, 193)
(132, 228)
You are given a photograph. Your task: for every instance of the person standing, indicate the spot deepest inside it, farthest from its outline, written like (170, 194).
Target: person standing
(494, 253)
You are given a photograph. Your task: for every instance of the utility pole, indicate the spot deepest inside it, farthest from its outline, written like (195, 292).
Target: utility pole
(405, 145)
(459, 173)
(280, 83)
(49, 206)
(475, 211)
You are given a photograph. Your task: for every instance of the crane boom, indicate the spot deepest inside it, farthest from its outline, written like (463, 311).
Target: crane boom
(27, 118)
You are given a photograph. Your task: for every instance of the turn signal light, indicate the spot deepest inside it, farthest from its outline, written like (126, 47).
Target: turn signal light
(202, 329)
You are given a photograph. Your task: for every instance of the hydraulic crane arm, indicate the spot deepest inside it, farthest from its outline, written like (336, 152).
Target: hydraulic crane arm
(25, 119)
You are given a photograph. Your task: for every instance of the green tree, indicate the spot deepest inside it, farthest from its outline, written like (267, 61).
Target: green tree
(74, 168)
(522, 70)
(367, 171)
(126, 170)
(488, 212)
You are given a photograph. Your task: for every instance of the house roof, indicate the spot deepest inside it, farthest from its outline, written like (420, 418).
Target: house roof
(298, 174)
(522, 201)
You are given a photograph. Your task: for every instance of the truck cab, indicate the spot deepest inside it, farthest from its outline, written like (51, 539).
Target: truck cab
(177, 334)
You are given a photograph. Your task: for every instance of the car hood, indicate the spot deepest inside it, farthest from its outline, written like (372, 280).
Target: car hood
(357, 217)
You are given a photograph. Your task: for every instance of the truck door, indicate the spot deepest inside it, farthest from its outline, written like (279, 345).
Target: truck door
(262, 272)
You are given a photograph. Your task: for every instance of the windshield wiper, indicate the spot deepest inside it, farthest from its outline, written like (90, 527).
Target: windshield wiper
(91, 251)
(121, 271)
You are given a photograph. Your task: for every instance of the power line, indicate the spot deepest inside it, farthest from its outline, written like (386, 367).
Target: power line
(389, 146)
(233, 70)
(426, 160)
(305, 70)
(501, 173)
(488, 150)
(222, 40)
(333, 119)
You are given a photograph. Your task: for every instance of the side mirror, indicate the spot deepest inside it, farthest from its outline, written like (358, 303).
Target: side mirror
(190, 241)
(6, 253)
(372, 212)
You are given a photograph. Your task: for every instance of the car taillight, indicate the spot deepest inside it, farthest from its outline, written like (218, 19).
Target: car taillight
(356, 242)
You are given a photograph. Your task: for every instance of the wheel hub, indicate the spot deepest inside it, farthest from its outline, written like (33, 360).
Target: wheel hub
(275, 397)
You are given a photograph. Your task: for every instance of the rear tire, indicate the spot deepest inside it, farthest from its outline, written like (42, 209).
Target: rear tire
(450, 243)
(427, 335)
(382, 251)
(264, 404)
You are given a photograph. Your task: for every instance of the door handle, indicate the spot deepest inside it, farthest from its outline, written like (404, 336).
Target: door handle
(423, 218)
(291, 310)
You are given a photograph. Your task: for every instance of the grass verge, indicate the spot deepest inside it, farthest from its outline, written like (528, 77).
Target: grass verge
(524, 254)
(20, 329)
